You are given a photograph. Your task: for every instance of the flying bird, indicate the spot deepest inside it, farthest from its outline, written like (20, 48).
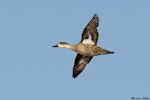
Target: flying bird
(87, 47)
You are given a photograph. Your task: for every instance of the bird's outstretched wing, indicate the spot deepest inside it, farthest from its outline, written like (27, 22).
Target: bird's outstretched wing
(90, 33)
(89, 36)
(80, 63)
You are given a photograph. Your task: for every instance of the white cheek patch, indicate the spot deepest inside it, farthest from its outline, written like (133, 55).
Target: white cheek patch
(88, 41)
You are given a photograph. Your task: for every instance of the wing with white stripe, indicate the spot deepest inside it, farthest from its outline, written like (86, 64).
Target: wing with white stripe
(90, 33)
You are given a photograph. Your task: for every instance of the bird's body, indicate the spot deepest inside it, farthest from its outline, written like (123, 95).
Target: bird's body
(87, 48)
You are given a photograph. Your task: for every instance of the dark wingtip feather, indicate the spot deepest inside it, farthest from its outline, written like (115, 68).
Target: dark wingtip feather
(76, 73)
(95, 15)
(74, 76)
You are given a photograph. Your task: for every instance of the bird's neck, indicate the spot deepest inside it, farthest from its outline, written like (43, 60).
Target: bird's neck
(72, 47)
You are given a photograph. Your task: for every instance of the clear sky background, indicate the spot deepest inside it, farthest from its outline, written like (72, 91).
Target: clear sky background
(30, 69)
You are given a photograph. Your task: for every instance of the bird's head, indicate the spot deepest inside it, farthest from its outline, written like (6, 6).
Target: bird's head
(61, 45)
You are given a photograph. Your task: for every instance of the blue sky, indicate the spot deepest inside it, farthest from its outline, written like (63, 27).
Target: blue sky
(30, 69)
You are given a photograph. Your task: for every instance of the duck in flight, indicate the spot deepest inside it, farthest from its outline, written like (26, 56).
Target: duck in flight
(86, 48)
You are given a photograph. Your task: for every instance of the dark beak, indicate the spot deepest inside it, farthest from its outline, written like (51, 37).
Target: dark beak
(55, 46)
